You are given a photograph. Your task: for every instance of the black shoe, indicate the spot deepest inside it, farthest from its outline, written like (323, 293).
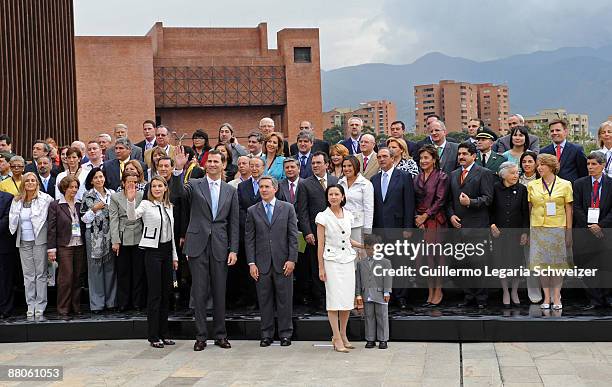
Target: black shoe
(199, 345)
(592, 307)
(96, 312)
(382, 345)
(427, 305)
(156, 344)
(223, 343)
(265, 342)
(285, 341)
(370, 344)
(168, 342)
(402, 303)
(482, 305)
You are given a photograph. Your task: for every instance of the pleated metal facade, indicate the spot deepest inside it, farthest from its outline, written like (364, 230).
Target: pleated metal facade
(37, 78)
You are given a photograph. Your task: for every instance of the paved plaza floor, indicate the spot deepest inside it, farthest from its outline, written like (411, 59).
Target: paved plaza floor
(134, 363)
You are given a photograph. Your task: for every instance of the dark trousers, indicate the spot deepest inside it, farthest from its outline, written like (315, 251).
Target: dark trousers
(71, 266)
(158, 266)
(307, 275)
(275, 291)
(131, 278)
(240, 285)
(7, 269)
(209, 275)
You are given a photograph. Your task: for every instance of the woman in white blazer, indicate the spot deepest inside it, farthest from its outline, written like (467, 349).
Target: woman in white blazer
(359, 197)
(160, 253)
(28, 221)
(336, 258)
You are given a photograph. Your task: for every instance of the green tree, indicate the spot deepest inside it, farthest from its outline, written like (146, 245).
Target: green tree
(334, 134)
(457, 136)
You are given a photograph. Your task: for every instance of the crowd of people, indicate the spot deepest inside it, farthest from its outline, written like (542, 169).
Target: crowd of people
(270, 224)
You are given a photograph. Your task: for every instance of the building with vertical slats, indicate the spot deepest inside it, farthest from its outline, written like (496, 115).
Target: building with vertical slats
(37, 72)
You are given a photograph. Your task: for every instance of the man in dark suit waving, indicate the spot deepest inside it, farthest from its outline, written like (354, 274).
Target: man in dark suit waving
(211, 240)
(393, 207)
(271, 245)
(571, 157)
(592, 220)
(471, 193)
(310, 201)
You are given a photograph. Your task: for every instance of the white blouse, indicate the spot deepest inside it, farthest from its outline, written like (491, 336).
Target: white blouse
(359, 201)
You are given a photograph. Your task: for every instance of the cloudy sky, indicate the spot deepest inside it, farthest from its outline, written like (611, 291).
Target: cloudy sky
(389, 31)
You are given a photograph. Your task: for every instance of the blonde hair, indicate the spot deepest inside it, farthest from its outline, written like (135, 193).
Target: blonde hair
(606, 124)
(22, 192)
(550, 161)
(165, 199)
(403, 146)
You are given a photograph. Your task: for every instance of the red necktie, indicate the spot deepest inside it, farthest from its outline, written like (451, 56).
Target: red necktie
(558, 152)
(595, 197)
(463, 175)
(291, 193)
(365, 163)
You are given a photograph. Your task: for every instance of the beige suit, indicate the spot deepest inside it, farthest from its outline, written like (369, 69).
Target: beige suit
(147, 155)
(372, 168)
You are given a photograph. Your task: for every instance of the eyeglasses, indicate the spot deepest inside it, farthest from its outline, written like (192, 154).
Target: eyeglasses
(17, 166)
(161, 135)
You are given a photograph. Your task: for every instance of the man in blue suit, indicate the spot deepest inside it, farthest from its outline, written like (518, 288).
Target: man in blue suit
(393, 207)
(355, 125)
(305, 141)
(571, 157)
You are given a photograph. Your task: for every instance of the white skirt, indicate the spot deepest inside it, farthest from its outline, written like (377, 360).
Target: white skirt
(340, 285)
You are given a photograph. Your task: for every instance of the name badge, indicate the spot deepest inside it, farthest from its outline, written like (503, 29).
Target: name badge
(593, 215)
(76, 230)
(551, 209)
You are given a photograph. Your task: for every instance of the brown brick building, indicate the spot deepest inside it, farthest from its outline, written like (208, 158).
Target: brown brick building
(457, 102)
(376, 114)
(189, 78)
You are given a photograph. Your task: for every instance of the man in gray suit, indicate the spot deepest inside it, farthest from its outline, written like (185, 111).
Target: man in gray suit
(271, 249)
(310, 201)
(121, 131)
(211, 240)
(446, 150)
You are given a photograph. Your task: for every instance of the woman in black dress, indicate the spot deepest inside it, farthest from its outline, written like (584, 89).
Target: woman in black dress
(509, 226)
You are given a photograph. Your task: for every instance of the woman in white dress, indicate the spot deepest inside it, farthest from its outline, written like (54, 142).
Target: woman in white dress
(337, 263)
(359, 197)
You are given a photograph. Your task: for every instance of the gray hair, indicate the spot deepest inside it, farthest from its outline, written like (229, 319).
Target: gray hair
(124, 141)
(391, 151)
(305, 135)
(46, 145)
(368, 135)
(505, 168)
(442, 124)
(79, 144)
(266, 119)
(520, 117)
(106, 136)
(271, 178)
(122, 126)
(595, 155)
(17, 158)
(291, 160)
(356, 119)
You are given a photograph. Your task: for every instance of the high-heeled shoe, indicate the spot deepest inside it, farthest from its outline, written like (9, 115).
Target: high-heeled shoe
(347, 344)
(339, 349)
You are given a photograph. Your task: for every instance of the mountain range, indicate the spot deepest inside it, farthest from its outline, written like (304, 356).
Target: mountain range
(578, 79)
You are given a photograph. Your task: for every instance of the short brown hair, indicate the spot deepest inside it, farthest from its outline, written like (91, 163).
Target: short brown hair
(550, 161)
(433, 152)
(136, 164)
(65, 183)
(74, 150)
(558, 121)
(354, 162)
(165, 199)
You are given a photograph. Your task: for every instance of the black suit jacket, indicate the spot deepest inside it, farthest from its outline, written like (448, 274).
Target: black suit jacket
(310, 201)
(317, 146)
(348, 143)
(478, 185)
(113, 173)
(7, 240)
(142, 145)
(583, 190)
(397, 209)
(283, 191)
(50, 185)
(305, 171)
(572, 162)
(246, 198)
